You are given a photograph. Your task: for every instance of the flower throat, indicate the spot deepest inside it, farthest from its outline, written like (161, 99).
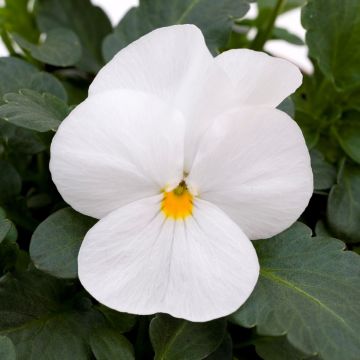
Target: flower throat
(178, 203)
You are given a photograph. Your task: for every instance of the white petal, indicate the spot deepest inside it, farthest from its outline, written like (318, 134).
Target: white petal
(134, 260)
(260, 79)
(114, 148)
(174, 64)
(167, 62)
(254, 164)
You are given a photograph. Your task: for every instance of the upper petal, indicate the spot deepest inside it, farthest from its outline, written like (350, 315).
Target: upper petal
(117, 147)
(167, 62)
(254, 164)
(134, 260)
(260, 79)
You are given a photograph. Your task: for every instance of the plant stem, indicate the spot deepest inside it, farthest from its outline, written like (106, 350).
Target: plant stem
(7, 42)
(264, 34)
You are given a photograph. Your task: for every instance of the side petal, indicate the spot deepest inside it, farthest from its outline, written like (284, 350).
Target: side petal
(168, 62)
(114, 148)
(260, 79)
(137, 261)
(254, 164)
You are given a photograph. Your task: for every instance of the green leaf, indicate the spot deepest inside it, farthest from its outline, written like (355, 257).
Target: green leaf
(176, 339)
(324, 172)
(44, 82)
(289, 4)
(333, 37)
(321, 229)
(60, 48)
(107, 344)
(5, 227)
(224, 351)
(17, 74)
(287, 106)
(9, 249)
(214, 18)
(87, 21)
(348, 134)
(343, 207)
(7, 349)
(121, 322)
(45, 317)
(278, 348)
(32, 110)
(37, 201)
(307, 289)
(19, 140)
(56, 241)
(10, 181)
(9, 252)
(309, 128)
(16, 17)
(284, 34)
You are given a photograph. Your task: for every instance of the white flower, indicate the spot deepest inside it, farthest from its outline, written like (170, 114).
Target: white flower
(183, 158)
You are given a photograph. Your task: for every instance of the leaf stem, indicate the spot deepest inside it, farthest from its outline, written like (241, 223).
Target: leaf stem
(264, 34)
(7, 42)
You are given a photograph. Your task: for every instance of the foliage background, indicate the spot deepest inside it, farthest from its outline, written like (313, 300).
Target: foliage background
(306, 303)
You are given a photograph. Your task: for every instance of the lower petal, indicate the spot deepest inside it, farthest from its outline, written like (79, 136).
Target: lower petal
(138, 261)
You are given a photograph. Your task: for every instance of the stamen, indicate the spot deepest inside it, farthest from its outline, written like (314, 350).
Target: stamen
(178, 203)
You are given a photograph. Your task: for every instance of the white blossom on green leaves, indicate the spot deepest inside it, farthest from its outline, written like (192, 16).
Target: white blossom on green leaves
(184, 158)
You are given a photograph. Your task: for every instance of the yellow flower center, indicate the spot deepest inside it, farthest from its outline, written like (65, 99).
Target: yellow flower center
(178, 203)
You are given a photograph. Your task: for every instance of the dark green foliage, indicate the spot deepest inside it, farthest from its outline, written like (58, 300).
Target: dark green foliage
(212, 17)
(176, 339)
(56, 241)
(302, 294)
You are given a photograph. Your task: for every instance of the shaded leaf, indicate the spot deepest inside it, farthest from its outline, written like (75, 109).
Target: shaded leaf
(10, 181)
(284, 34)
(324, 172)
(16, 17)
(278, 348)
(176, 339)
(121, 322)
(333, 37)
(5, 227)
(108, 344)
(56, 242)
(45, 318)
(348, 134)
(19, 140)
(32, 110)
(321, 229)
(7, 349)
(307, 289)
(309, 128)
(343, 207)
(17, 74)
(60, 48)
(287, 106)
(43, 82)
(9, 249)
(214, 18)
(224, 351)
(87, 21)
(289, 4)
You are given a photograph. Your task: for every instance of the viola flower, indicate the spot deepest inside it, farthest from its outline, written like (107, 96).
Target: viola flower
(184, 158)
